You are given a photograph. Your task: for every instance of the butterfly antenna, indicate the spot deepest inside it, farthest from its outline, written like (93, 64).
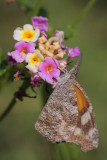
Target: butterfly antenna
(74, 71)
(78, 63)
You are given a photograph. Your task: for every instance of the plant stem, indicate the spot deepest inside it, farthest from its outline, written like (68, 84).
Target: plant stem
(83, 13)
(23, 87)
(8, 109)
(37, 8)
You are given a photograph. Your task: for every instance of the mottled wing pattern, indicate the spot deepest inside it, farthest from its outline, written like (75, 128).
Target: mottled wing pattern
(68, 117)
(85, 133)
(59, 116)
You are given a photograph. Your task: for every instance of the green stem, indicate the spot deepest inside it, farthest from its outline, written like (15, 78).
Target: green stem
(8, 109)
(37, 8)
(83, 13)
(23, 87)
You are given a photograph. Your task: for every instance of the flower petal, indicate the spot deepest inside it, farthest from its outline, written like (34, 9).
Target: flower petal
(28, 27)
(52, 61)
(11, 60)
(60, 35)
(17, 34)
(29, 55)
(39, 54)
(42, 66)
(20, 45)
(37, 34)
(48, 70)
(36, 80)
(30, 47)
(73, 52)
(46, 77)
(56, 73)
(17, 56)
(32, 68)
(41, 23)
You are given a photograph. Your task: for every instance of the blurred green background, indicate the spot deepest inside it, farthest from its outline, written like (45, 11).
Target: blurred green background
(18, 138)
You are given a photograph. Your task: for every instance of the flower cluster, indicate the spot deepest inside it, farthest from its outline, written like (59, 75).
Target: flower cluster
(43, 57)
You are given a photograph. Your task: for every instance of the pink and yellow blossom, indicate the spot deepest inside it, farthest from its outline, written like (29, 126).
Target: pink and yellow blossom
(33, 60)
(48, 70)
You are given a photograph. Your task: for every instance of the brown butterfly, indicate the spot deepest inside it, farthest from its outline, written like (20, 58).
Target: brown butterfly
(68, 114)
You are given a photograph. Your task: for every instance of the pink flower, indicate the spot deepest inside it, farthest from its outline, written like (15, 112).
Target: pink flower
(41, 23)
(25, 47)
(36, 80)
(48, 70)
(73, 52)
(19, 55)
(15, 57)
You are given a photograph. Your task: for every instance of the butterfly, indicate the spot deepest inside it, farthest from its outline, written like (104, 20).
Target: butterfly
(68, 114)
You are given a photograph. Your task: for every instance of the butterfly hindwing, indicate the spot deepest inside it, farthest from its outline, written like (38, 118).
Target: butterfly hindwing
(85, 133)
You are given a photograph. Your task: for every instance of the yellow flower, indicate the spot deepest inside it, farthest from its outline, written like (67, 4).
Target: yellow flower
(27, 33)
(33, 60)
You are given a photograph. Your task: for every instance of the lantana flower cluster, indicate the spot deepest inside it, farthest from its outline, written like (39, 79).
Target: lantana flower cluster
(44, 58)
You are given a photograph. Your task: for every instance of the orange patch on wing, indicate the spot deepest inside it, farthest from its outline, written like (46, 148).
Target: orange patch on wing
(81, 100)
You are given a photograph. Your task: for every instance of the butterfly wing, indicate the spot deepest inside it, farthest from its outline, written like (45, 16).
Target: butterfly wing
(85, 133)
(68, 117)
(59, 116)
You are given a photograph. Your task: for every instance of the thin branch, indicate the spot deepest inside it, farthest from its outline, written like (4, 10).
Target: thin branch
(8, 109)
(23, 87)
(83, 13)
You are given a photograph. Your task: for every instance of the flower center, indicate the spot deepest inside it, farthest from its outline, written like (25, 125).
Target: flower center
(49, 69)
(23, 50)
(35, 59)
(27, 34)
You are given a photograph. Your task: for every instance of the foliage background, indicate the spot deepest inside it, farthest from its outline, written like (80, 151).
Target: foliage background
(18, 138)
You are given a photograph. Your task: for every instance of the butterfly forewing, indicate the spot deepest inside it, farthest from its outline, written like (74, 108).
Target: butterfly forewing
(68, 116)
(59, 116)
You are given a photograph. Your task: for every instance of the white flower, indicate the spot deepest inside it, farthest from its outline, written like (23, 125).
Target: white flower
(33, 60)
(27, 33)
